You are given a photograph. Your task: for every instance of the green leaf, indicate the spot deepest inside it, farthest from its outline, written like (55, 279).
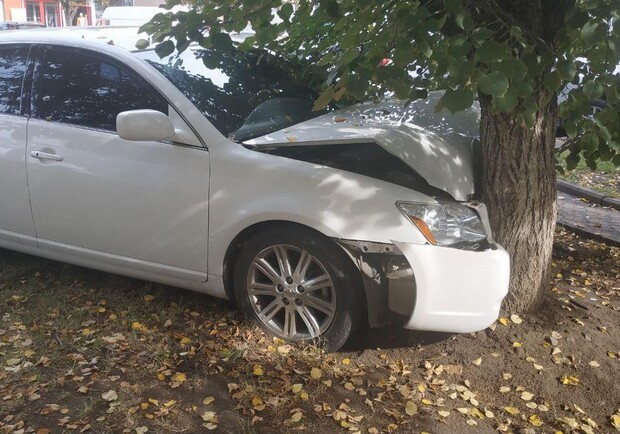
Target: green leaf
(453, 6)
(552, 81)
(456, 100)
(589, 142)
(593, 89)
(567, 70)
(508, 101)
(324, 99)
(494, 84)
(286, 11)
(572, 160)
(492, 51)
(349, 56)
(221, 41)
(571, 129)
(142, 44)
(587, 31)
(164, 49)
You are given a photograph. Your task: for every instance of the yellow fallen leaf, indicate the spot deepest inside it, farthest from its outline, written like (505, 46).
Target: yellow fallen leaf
(161, 377)
(304, 395)
(443, 413)
(154, 401)
(594, 364)
(296, 417)
(208, 400)
(516, 319)
(504, 321)
(144, 405)
(421, 388)
(258, 370)
(148, 298)
(113, 316)
(478, 361)
(615, 420)
(209, 416)
(512, 410)
(316, 373)
(139, 327)
(179, 377)
(426, 401)
(411, 408)
(169, 403)
(569, 380)
(535, 420)
(186, 341)
(517, 344)
(296, 388)
(256, 401)
(346, 361)
(526, 396)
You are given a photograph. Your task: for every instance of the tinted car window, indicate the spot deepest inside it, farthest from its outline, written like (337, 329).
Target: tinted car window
(244, 95)
(87, 89)
(12, 70)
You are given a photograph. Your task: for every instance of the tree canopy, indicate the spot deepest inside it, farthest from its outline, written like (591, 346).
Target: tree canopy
(357, 49)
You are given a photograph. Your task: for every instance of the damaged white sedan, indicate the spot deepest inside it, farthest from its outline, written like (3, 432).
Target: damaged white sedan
(222, 180)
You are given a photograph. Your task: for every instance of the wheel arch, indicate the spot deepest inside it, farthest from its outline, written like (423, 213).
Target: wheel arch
(235, 246)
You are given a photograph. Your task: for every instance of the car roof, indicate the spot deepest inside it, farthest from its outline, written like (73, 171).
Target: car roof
(94, 36)
(123, 37)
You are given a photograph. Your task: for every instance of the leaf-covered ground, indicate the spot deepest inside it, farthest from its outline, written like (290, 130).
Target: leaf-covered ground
(83, 351)
(605, 179)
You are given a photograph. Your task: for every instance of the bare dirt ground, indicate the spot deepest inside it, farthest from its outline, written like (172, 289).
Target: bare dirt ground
(84, 351)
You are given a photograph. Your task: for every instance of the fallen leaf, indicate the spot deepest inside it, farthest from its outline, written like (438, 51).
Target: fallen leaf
(258, 370)
(296, 417)
(180, 377)
(594, 364)
(208, 400)
(569, 380)
(478, 361)
(535, 420)
(141, 430)
(148, 298)
(512, 410)
(346, 361)
(315, 373)
(110, 395)
(526, 396)
(169, 403)
(411, 408)
(296, 388)
(516, 319)
(504, 321)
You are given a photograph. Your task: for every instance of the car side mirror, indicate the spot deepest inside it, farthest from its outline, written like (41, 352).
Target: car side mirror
(144, 125)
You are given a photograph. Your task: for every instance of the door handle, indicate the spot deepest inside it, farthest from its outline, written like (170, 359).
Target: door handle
(45, 156)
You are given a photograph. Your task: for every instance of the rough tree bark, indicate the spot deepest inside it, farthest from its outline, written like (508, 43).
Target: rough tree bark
(519, 191)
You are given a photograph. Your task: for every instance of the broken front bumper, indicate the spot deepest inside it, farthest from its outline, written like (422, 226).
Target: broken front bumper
(456, 290)
(433, 288)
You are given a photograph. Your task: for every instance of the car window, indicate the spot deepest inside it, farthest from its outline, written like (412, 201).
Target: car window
(88, 89)
(12, 69)
(244, 95)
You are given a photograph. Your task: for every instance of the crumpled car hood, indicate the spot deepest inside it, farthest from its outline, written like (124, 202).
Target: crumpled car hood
(438, 146)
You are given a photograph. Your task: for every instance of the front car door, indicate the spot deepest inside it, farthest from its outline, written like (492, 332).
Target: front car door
(16, 226)
(93, 193)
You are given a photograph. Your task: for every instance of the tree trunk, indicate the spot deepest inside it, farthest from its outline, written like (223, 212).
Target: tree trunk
(519, 191)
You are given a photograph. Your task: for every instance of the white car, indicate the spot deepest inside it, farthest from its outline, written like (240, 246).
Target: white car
(225, 182)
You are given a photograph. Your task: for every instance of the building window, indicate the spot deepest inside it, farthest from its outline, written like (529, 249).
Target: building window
(33, 13)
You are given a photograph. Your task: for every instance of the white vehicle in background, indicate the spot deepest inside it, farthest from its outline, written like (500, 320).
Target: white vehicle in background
(225, 181)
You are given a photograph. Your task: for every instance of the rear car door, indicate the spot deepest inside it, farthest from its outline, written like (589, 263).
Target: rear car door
(16, 226)
(145, 203)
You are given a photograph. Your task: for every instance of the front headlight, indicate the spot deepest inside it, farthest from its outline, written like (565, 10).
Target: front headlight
(445, 223)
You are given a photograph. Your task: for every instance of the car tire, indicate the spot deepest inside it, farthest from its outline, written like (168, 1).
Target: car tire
(269, 277)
